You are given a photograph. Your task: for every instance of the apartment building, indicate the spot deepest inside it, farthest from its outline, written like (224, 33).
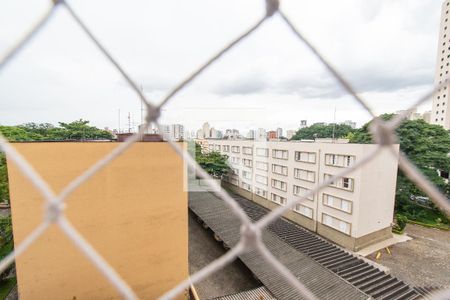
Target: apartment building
(440, 114)
(354, 211)
(134, 217)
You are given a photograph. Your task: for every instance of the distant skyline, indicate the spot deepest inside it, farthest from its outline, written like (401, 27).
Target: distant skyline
(386, 49)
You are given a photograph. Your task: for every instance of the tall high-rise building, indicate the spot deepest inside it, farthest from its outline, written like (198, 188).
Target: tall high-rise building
(303, 124)
(440, 114)
(279, 132)
(261, 135)
(251, 134)
(290, 134)
(213, 133)
(206, 130)
(177, 132)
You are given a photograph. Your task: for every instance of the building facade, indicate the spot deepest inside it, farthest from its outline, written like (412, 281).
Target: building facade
(133, 216)
(354, 211)
(272, 134)
(440, 114)
(290, 134)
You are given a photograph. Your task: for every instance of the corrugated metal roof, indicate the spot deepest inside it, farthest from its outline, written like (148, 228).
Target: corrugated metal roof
(261, 293)
(319, 280)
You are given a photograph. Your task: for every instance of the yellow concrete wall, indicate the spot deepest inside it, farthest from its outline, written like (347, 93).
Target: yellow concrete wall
(134, 212)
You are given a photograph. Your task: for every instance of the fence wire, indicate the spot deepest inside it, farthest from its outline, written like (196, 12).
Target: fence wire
(383, 132)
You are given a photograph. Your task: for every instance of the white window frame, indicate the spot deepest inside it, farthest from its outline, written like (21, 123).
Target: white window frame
(300, 191)
(247, 162)
(262, 152)
(336, 223)
(247, 150)
(279, 169)
(304, 210)
(247, 175)
(260, 192)
(337, 203)
(310, 175)
(262, 163)
(339, 160)
(305, 156)
(343, 183)
(261, 179)
(278, 199)
(279, 185)
(280, 154)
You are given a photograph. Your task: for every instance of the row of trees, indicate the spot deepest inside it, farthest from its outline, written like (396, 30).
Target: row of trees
(76, 130)
(426, 145)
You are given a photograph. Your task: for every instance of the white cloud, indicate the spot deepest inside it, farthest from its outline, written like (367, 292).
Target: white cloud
(386, 48)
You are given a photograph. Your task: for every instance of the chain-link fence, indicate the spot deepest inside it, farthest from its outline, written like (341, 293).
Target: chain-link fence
(383, 132)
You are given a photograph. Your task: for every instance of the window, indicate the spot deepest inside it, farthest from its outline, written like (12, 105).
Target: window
(264, 152)
(279, 169)
(262, 166)
(247, 162)
(247, 150)
(235, 149)
(226, 148)
(337, 203)
(279, 185)
(304, 210)
(246, 186)
(217, 147)
(304, 175)
(261, 179)
(339, 160)
(234, 160)
(336, 223)
(246, 174)
(278, 199)
(301, 191)
(235, 171)
(280, 154)
(309, 157)
(345, 183)
(261, 192)
(211, 147)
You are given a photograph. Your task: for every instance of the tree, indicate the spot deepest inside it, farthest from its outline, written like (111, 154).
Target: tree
(4, 190)
(427, 146)
(214, 163)
(76, 130)
(323, 131)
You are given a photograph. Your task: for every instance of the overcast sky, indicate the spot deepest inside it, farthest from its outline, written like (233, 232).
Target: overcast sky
(385, 48)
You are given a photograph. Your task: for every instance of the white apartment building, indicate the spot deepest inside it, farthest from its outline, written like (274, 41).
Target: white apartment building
(354, 211)
(290, 134)
(440, 114)
(173, 132)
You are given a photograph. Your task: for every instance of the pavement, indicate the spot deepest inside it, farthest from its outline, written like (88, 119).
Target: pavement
(397, 238)
(203, 249)
(423, 260)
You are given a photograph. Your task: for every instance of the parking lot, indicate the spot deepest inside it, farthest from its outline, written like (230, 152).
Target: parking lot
(422, 261)
(203, 249)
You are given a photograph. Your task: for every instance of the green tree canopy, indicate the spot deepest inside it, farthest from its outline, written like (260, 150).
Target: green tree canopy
(76, 130)
(214, 163)
(319, 130)
(427, 146)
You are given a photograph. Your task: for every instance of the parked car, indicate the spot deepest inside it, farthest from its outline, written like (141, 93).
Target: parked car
(421, 200)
